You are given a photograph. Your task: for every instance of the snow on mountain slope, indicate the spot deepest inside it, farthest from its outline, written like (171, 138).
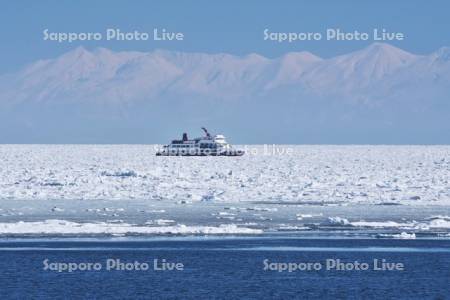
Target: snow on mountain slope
(103, 75)
(380, 89)
(291, 67)
(222, 75)
(360, 69)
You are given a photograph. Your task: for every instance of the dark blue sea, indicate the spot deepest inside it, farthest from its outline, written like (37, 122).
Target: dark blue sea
(224, 268)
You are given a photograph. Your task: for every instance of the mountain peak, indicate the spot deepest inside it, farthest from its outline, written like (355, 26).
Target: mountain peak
(76, 54)
(80, 50)
(291, 68)
(256, 57)
(302, 56)
(386, 50)
(375, 61)
(98, 50)
(382, 46)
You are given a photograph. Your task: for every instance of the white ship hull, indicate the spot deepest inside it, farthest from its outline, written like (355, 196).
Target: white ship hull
(199, 153)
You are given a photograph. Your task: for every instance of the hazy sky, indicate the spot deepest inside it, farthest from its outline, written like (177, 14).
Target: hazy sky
(212, 26)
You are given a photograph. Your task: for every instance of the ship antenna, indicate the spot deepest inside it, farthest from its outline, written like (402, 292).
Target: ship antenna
(206, 132)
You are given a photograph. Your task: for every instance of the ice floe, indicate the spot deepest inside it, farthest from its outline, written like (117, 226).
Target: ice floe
(431, 223)
(403, 236)
(62, 227)
(323, 175)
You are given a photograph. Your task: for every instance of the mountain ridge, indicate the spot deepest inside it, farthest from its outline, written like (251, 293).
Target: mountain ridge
(381, 89)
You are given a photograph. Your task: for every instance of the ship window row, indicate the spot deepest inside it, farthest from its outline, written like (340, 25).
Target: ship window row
(181, 146)
(208, 146)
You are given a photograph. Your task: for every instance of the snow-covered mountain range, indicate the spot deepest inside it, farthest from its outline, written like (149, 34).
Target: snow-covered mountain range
(380, 94)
